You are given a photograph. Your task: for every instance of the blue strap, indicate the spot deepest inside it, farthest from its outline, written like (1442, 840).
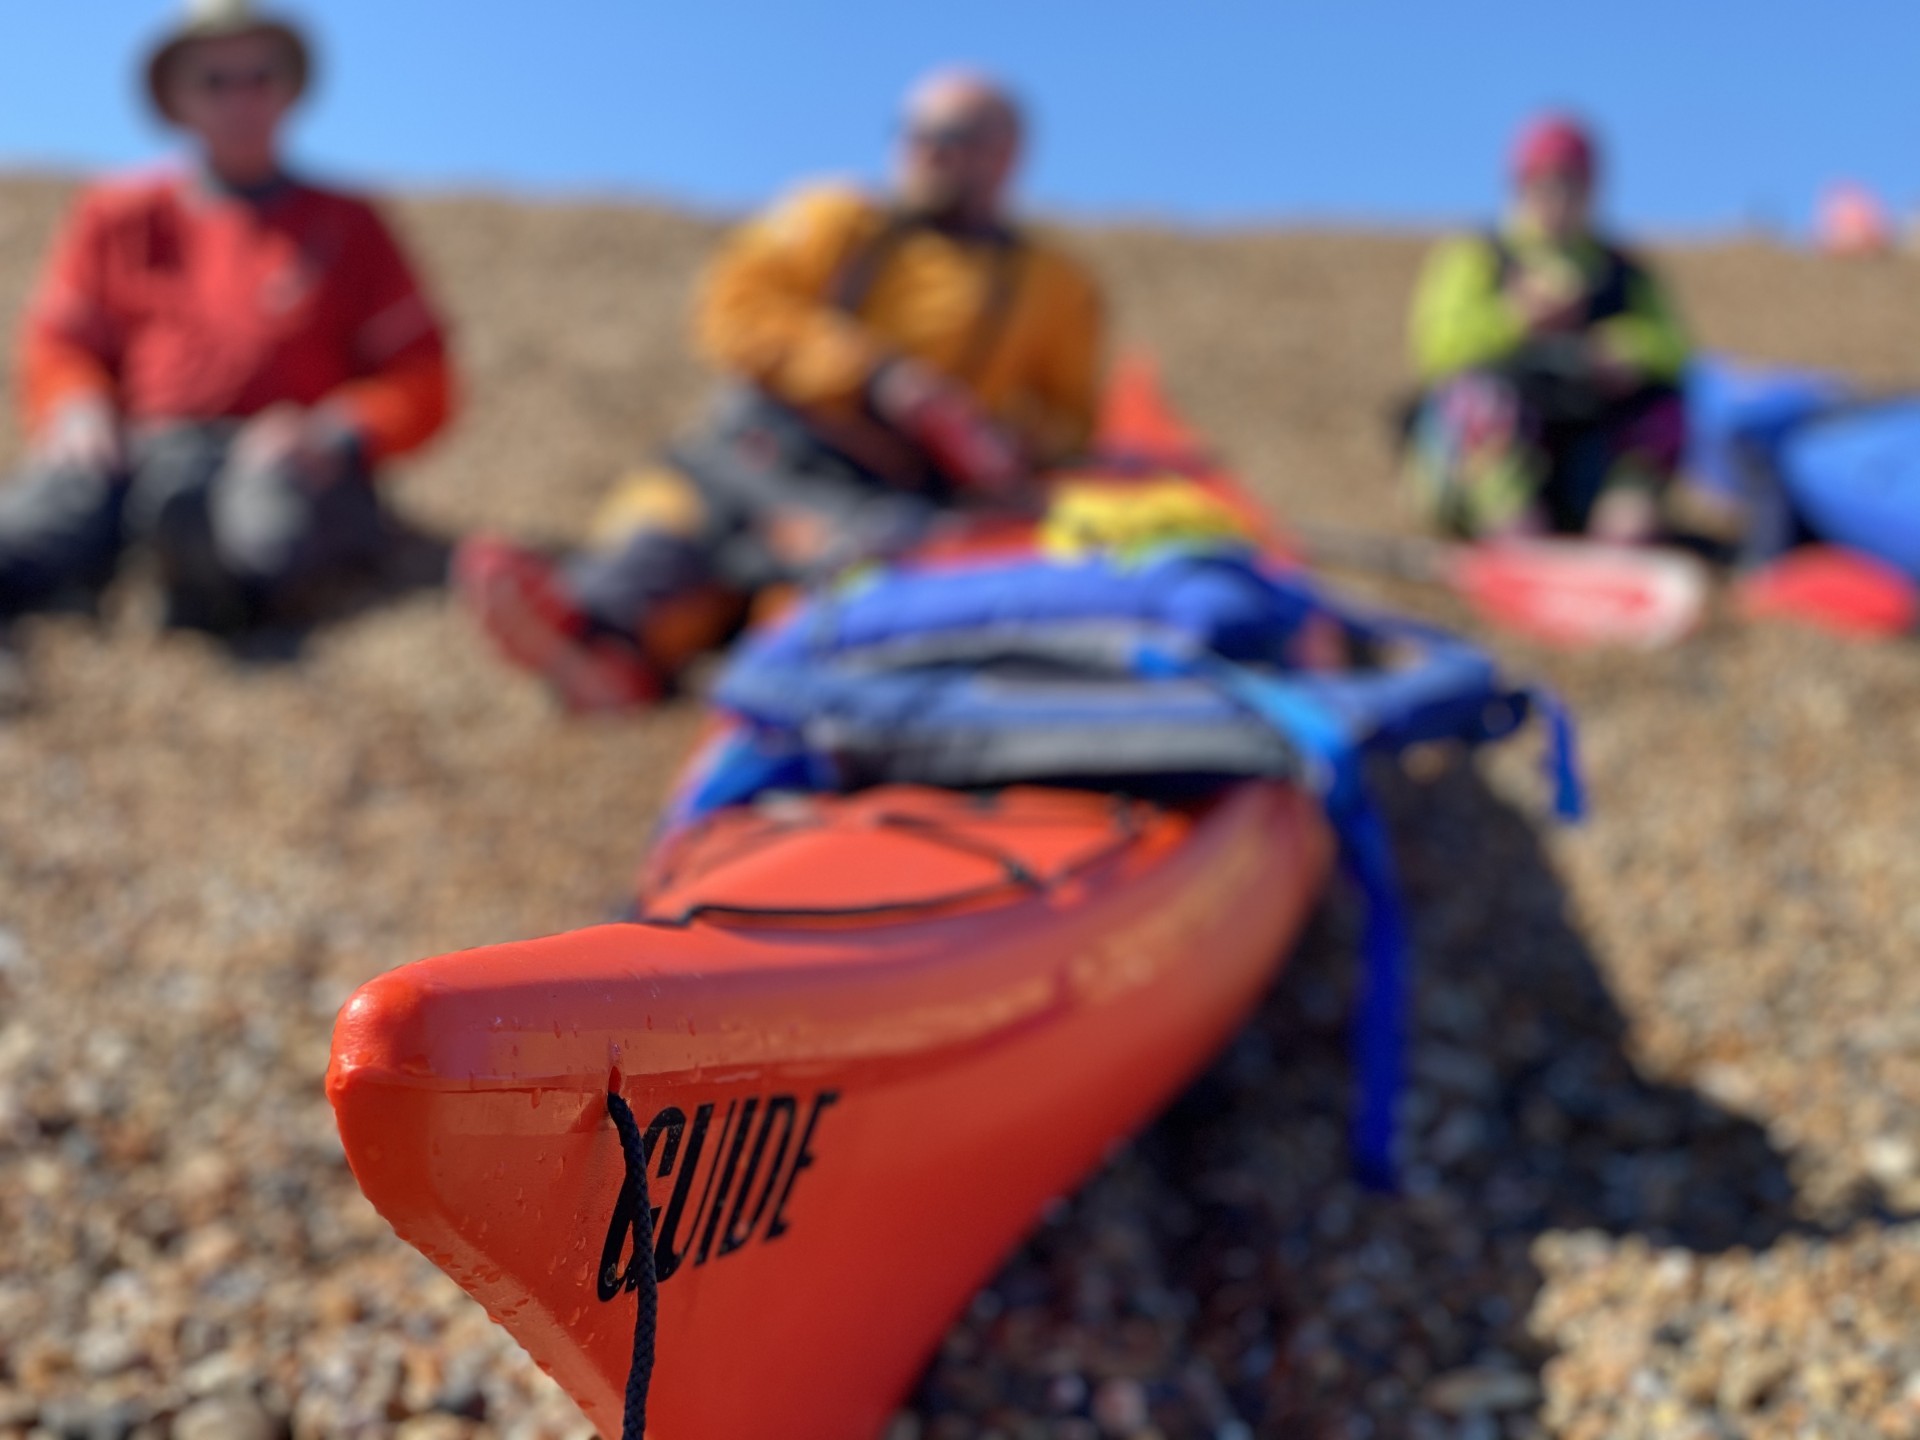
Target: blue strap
(1563, 755)
(1332, 756)
(1381, 1007)
(1380, 1010)
(745, 764)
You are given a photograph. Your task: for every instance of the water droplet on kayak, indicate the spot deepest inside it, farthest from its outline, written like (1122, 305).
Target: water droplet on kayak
(536, 1097)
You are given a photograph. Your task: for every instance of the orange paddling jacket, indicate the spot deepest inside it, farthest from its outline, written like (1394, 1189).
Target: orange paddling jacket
(811, 298)
(174, 301)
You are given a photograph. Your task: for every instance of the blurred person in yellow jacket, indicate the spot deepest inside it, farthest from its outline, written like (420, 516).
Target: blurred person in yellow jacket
(1551, 362)
(887, 358)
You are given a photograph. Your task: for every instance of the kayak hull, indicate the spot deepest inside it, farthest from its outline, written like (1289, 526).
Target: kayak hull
(1854, 479)
(851, 1118)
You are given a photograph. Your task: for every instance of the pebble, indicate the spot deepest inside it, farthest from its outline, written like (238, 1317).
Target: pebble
(16, 684)
(1464, 1392)
(224, 1370)
(16, 1410)
(226, 1418)
(433, 1427)
(1120, 1407)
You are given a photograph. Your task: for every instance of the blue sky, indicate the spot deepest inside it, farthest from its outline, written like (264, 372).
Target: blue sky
(1211, 111)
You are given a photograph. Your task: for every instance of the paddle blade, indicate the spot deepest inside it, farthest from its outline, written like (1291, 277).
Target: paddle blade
(1833, 588)
(1580, 594)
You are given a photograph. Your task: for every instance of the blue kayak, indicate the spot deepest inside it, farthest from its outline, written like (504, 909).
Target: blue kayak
(1853, 476)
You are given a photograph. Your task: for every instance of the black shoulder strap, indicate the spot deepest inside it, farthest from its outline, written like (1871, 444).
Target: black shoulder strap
(1503, 260)
(860, 271)
(1613, 295)
(1010, 252)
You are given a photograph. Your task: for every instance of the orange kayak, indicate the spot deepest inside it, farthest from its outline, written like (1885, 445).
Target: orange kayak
(866, 1037)
(868, 1041)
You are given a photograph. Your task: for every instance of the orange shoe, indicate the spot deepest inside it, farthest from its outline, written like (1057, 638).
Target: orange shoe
(515, 596)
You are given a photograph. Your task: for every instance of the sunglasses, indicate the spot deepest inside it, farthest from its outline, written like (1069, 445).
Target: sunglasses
(1564, 183)
(236, 82)
(946, 137)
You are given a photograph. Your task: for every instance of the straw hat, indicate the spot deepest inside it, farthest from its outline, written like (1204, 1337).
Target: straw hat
(216, 19)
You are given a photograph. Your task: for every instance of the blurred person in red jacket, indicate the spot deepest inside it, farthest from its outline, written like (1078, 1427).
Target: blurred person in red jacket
(888, 358)
(218, 357)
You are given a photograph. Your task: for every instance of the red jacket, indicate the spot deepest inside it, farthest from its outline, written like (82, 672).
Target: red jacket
(175, 302)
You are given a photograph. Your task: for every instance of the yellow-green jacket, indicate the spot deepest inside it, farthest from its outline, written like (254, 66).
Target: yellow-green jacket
(1463, 318)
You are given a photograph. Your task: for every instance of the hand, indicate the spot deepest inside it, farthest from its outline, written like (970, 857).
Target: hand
(964, 444)
(314, 444)
(945, 422)
(901, 389)
(1614, 374)
(271, 439)
(1545, 303)
(83, 434)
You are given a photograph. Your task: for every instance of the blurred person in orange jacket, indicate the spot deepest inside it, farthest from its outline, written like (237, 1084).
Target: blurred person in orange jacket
(218, 356)
(889, 358)
(1553, 360)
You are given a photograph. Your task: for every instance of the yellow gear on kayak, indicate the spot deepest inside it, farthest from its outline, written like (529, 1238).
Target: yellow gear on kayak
(1129, 519)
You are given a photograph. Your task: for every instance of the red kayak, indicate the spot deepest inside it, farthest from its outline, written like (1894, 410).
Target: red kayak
(864, 1040)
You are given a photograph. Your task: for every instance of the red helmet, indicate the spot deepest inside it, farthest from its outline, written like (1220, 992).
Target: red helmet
(1554, 145)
